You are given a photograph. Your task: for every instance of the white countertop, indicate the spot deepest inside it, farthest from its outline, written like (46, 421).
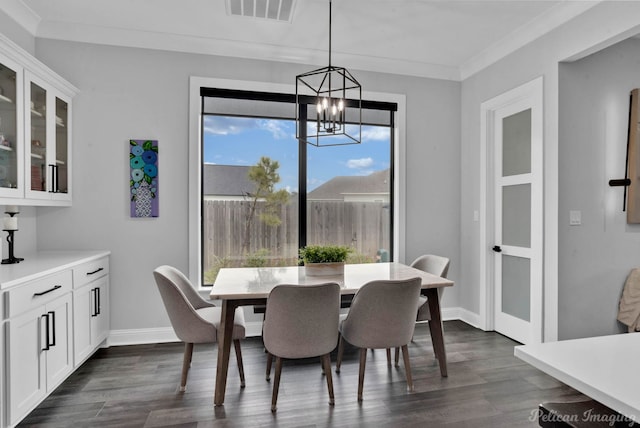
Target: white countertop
(606, 368)
(42, 263)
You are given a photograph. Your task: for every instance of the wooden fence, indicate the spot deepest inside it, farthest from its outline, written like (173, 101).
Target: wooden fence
(361, 225)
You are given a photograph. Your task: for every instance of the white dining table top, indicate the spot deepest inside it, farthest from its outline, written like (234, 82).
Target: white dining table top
(256, 283)
(605, 368)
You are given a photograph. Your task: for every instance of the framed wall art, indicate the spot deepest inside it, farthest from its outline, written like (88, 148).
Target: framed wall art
(143, 180)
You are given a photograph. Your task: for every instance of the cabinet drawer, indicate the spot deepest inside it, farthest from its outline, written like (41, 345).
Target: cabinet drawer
(37, 292)
(90, 271)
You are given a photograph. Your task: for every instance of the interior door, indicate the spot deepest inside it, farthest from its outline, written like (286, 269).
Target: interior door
(517, 212)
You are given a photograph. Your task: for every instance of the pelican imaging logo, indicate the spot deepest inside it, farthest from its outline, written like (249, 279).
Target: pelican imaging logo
(589, 415)
(143, 180)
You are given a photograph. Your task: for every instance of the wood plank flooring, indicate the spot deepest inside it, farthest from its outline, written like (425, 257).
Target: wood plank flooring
(137, 386)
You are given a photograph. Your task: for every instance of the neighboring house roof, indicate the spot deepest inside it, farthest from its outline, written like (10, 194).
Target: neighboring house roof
(226, 180)
(335, 189)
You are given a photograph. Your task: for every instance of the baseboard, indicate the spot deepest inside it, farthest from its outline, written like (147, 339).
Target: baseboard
(253, 328)
(467, 316)
(141, 336)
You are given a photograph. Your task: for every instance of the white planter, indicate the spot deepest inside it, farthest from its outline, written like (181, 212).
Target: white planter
(324, 269)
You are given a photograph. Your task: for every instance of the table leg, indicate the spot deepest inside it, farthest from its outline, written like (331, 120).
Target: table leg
(435, 326)
(225, 333)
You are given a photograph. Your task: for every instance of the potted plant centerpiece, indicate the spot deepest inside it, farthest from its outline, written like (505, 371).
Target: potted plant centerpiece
(320, 260)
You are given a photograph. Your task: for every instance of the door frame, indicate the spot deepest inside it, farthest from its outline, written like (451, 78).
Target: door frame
(532, 92)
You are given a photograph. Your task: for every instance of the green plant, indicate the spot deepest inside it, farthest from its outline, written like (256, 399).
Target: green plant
(324, 253)
(217, 263)
(257, 259)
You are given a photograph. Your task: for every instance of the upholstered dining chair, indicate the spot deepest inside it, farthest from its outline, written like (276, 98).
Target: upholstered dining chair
(382, 316)
(438, 266)
(301, 321)
(193, 319)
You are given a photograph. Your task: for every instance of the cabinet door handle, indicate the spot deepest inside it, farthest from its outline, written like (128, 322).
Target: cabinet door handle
(53, 328)
(42, 293)
(99, 303)
(95, 271)
(53, 179)
(46, 340)
(94, 298)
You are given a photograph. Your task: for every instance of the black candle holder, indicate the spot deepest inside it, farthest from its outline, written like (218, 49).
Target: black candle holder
(12, 258)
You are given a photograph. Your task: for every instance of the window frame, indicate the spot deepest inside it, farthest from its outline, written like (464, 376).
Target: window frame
(195, 161)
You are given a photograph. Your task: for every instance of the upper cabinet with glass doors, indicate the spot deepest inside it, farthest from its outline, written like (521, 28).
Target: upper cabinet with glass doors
(11, 130)
(35, 131)
(48, 142)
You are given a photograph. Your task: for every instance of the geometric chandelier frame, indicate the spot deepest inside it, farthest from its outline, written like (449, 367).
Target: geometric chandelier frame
(330, 99)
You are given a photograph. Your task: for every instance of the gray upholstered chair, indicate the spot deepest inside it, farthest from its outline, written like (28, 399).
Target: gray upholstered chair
(438, 266)
(193, 319)
(382, 316)
(302, 322)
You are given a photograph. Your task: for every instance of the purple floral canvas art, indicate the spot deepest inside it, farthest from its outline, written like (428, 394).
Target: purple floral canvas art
(143, 182)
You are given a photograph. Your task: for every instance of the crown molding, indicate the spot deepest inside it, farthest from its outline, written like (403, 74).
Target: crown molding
(22, 14)
(541, 25)
(553, 18)
(232, 48)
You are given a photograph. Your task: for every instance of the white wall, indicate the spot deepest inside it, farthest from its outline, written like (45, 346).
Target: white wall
(601, 26)
(594, 115)
(135, 93)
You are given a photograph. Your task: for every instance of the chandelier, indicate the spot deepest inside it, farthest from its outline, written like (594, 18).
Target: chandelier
(328, 105)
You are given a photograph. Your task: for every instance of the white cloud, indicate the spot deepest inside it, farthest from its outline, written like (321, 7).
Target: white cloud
(275, 127)
(377, 133)
(360, 163)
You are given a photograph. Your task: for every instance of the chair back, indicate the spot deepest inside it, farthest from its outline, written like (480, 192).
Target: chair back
(435, 265)
(188, 325)
(301, 321)
(382, 314)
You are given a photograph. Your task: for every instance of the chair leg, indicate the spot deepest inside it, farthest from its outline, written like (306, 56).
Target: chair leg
(407, 367)
(269, 361)
(276, 384)
(326, 365)
(431, 333)
(236, 345)
(186, 363)
(397, 359)
(363, 363)
(389, 357)
(340, 352)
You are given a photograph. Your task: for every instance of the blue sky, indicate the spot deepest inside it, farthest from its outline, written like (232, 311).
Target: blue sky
(242, 141)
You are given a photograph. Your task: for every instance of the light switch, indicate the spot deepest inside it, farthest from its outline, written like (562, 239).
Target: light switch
(575, 218)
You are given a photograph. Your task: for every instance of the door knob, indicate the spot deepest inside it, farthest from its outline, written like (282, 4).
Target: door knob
(497, 248)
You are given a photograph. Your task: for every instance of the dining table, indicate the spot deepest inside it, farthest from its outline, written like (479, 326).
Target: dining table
(236, 287)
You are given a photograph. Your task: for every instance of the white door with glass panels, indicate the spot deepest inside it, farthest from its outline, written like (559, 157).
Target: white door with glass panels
(517, 214)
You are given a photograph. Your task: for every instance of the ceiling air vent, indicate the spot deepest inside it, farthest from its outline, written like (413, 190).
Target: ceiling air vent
(275, 10)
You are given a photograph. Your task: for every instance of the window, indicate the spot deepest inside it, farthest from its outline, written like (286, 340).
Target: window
(262, 194)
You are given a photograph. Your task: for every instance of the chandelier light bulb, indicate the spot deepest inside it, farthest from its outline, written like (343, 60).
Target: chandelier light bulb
(341, 104)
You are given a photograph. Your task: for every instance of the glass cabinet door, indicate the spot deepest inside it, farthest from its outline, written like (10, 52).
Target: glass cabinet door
(61, 176)
(11, 162)
(38, 128)
(49, 142)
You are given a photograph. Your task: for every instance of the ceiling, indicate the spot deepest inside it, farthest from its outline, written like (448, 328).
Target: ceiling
(446, 39)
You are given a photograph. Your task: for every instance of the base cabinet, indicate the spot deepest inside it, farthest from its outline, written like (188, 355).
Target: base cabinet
(51, 325)
(40, 348)
(91, 315)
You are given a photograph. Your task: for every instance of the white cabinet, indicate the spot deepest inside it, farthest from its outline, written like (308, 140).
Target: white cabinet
(39, 341)
(55, 314)
(35, 131)
(90, 307)
(11, 130)
(48, 141)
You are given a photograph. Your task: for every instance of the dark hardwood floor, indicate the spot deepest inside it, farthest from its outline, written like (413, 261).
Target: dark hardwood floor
(137, 386)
